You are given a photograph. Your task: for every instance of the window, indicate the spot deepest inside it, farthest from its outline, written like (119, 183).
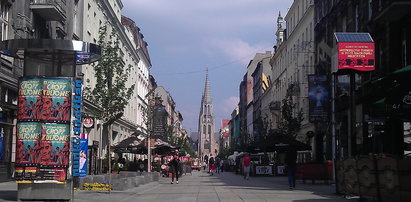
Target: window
(404, 48)
(356, 18)
(204, 129)
(4, 19)
(209, 129)
(369, 9)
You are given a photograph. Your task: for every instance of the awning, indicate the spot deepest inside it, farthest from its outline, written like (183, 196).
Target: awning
(132, 144)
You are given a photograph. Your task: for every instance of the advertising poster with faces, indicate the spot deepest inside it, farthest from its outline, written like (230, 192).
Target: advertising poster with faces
(28, 146)
(44, 99)
(30, 99)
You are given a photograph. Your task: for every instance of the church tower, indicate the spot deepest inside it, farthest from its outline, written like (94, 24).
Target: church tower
(206, 127)
(280, 30)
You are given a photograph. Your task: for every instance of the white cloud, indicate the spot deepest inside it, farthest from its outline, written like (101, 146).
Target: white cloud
(229, 104)
(186, 35)
(239, 50)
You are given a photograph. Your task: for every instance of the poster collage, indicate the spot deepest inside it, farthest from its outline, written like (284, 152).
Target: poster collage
(43, 130)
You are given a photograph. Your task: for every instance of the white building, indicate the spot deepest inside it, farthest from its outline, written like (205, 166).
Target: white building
(89, 16)
(293, 60)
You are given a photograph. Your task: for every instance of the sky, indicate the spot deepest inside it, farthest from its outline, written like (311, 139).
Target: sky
(187, 36)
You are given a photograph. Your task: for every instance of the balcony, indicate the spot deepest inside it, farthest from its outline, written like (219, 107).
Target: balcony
(50, 10)
(392, 10)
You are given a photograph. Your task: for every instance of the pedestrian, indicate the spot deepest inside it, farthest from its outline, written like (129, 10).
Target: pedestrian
(174, 168)
(217, 165)
(222, 165)
(290, 161)
(211, 164)
(140, 166)
(246, 166)
(204, 165)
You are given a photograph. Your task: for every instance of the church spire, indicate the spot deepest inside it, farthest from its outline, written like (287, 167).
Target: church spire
(280, 29)
(207, 92)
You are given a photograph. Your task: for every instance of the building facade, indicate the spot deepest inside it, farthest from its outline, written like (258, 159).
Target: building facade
(377, 120)
(75, 20)
(89, 17)
(292, 62)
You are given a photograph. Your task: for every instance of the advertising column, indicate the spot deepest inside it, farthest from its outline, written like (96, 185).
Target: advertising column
(42, 146)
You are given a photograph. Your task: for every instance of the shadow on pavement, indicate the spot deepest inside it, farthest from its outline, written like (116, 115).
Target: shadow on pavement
(8, 195)
(280, 183)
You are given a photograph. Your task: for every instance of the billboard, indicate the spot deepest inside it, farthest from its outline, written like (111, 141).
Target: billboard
(357, 56)
(44, 99)
(318, 98)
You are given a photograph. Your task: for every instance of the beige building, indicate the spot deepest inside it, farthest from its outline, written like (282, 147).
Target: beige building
(89, 16)
(293, 60)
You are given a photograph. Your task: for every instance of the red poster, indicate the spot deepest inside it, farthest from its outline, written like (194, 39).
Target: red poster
(30, 91)
(54, 142)
(357, 56)
(28, 144)
(56, 100)
(44, 99)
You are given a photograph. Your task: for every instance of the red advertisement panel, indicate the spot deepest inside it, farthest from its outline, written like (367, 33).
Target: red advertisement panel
(56, 100)
(28, 143)
(357, 56)
(30, 91)
(54, 142)
(28, 146)
(44, 99)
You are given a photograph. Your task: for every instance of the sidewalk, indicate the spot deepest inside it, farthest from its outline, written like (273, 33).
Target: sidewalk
(200, 186)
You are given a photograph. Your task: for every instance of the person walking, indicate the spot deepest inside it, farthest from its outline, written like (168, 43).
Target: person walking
(204, 165)
(174, 168)
(222, 165)
(290, 161)
(211, 164)
(246, 166)
(217, 165)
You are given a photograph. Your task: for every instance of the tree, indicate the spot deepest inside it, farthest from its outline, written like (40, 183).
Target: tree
(110, 93)
(262, 126)
(291, 117)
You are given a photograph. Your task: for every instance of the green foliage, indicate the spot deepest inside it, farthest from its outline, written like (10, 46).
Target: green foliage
(110, 92)
(225, 152)
(262, 126)
(291, 117)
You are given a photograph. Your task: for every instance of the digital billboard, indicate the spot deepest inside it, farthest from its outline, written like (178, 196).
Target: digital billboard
(357, 56)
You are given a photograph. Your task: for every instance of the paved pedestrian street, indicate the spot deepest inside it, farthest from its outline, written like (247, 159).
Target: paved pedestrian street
(200, 186)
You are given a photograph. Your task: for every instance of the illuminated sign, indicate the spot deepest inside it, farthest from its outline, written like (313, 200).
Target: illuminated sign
(357, 56)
